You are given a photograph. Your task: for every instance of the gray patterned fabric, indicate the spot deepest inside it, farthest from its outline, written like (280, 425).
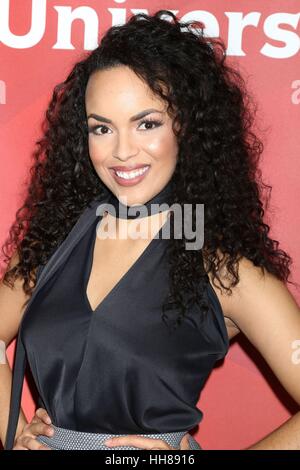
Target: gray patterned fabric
(67, 439)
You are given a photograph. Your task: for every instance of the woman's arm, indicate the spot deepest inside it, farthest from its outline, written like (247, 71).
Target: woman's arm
(266, 312)
(11, 312)
(286, 437)
(5, 390)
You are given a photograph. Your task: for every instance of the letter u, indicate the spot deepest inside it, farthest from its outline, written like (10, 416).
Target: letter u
(37, 30)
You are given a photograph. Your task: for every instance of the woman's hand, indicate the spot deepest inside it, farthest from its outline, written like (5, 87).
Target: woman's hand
(40, 424)
(146, 443)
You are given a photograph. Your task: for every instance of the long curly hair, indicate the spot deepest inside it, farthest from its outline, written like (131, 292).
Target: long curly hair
(217, 162)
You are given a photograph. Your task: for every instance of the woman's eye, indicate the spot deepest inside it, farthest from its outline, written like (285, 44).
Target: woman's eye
(94, 128)
(152, 123)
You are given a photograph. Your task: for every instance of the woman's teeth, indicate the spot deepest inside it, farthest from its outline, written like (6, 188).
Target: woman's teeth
(132, 174)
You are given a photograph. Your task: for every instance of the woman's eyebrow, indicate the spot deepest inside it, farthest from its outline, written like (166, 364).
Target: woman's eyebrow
(133, 118)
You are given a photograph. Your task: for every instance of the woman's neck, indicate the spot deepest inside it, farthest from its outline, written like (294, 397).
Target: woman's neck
(145, 227)
(146, 219)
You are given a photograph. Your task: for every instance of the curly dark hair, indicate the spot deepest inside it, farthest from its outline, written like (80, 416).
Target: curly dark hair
(217, 160)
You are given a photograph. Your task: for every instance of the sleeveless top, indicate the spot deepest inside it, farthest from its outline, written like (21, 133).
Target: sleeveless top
(117, 369)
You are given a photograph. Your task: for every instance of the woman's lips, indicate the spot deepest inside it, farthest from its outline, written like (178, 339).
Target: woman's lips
(131, 181)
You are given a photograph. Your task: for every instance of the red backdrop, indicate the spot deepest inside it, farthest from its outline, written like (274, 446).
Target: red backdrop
(39, 42)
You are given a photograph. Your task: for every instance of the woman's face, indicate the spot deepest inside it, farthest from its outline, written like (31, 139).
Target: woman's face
(119, 138)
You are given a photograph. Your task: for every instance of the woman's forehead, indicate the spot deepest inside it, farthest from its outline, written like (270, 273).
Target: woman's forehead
(121, 88)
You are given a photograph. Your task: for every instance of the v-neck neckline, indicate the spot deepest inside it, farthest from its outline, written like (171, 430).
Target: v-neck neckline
(124, 277)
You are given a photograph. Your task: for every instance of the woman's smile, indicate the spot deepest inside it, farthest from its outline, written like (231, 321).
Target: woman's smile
(130, 178)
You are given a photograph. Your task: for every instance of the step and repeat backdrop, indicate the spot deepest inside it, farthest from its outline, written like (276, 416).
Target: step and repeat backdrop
(40, 40)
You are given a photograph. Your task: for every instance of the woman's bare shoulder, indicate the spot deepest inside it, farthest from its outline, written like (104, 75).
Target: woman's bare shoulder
(12, 301)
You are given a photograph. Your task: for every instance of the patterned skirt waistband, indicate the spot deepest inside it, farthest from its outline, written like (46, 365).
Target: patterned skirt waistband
(68, 439)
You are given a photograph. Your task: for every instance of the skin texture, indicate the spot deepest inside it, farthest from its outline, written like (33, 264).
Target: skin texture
(118, 94)
(40, 424)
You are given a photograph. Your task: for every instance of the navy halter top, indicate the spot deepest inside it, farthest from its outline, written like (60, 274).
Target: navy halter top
(117, 369)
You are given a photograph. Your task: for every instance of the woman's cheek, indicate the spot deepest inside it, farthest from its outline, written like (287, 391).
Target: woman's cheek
(155, 144)
(96, 152)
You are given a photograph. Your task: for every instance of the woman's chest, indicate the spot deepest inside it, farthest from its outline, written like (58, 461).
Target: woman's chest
(110, 263)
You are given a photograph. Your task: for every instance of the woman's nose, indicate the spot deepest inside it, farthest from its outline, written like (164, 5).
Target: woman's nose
(126, 146)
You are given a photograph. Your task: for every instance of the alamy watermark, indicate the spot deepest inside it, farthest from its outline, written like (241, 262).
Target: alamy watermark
(182, 222)
(296, 354)
(2, 352)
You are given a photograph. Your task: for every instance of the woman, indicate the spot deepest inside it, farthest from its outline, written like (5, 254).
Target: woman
(121, 332)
